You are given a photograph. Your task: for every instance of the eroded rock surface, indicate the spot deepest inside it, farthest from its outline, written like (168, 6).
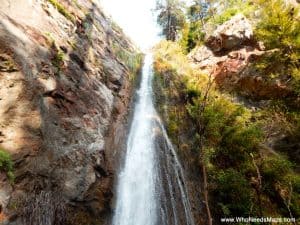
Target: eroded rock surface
(64, 91)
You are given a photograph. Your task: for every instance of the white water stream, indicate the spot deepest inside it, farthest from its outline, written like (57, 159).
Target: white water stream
(151, 187)
(136, 198)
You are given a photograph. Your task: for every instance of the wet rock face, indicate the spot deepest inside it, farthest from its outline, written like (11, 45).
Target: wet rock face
(229, 55)
(63, 94)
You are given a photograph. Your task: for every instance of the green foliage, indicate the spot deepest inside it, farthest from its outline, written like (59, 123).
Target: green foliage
(6, 164)
(280, 181)
(276, 168)
(279, 28)
(199, 10)
(58, 58)
(226, 15)
(170, 17)
(233, 141)
(232, 8)
(62, 10)
(233, 193)
(192, 36)
(227, 129)
(296, 195)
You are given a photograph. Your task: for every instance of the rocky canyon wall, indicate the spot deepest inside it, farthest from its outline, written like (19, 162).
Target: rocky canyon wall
(66, 73)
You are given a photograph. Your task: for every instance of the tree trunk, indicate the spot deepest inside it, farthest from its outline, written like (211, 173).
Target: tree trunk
(201, 131)
(169, 25)
(258, 186)
(205, 191)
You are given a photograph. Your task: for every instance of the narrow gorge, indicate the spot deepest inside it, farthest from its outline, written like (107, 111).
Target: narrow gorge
(153, 112)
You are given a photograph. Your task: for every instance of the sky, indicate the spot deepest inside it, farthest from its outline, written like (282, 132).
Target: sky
(136, 19)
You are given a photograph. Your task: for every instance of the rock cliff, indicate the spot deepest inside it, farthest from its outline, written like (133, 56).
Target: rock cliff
(66, 73)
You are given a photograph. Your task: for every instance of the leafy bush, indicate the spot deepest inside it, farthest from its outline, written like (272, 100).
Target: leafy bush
(280, 182)
(193, 35)
(6, 164)
(226, 15)
(227, 129)
(296, 196)
(233, 193)
(279, 28)
(276, 168)
(170, 57)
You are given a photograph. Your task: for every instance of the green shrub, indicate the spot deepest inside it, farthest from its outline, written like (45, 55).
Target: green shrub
(280, 182)
(276, 168)
(6, 164)
(192, 35)
(244, 139)
(275, 171)
(279, 28)
(233, 193)
(231, 9)
(226, 15)
(295, 206)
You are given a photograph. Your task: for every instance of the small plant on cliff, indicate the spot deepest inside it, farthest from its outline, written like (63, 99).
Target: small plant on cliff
(132, 60)
(62, 10)
(58, 57)
(6, 164)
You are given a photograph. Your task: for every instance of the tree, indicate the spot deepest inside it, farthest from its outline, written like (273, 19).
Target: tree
(198, 11)
(170, 17)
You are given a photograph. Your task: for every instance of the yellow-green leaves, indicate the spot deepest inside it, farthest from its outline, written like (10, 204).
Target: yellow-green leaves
(6, 164)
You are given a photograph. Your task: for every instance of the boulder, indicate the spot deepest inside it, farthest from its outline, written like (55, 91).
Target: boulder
(229, 56)
(231, 34)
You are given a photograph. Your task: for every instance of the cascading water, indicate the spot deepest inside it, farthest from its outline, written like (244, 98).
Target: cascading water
(136, 198)
(151, 187)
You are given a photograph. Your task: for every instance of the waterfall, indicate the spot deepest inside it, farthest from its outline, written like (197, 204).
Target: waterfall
(151, 188)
